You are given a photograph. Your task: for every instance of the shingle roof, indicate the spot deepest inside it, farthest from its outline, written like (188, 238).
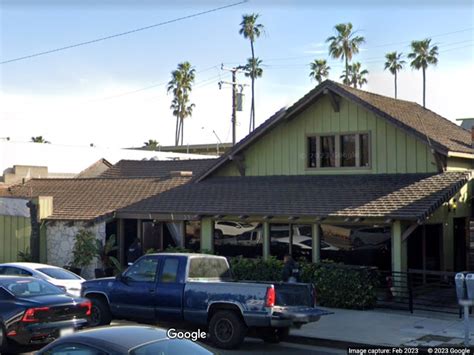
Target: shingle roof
(87, 199)
(156, 168)
(443, 134)
(397, 196)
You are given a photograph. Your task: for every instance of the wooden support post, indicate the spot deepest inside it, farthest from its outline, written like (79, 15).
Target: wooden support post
(316, 242)
(266, 240)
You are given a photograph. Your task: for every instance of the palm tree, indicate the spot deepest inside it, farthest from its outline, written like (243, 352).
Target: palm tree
(319, 70)
(423, 54)
(344, 45)
(394, 63)
(39, 139)
(253, 69)
(181, 85)
(151, 144)
(356, 76)
(251, 30)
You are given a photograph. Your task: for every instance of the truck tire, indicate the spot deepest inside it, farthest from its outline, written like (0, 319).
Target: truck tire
(227, 329)
(274, 335)
(100, 313)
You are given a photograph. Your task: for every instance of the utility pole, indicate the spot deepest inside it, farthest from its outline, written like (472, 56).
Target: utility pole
(234, 96)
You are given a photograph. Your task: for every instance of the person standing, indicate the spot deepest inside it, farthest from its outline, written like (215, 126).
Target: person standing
(134, 251)
(291, 271)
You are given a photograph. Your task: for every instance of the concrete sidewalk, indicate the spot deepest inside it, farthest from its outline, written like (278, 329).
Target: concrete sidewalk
(388, 328)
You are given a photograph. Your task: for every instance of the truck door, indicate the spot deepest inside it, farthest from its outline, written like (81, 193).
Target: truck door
(133, 295)
(169, 289)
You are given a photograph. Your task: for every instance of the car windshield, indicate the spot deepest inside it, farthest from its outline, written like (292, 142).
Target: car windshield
(30, 288)
(59, 274)
(175, 346)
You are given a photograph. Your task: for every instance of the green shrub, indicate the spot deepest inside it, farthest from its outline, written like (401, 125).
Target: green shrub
(337, 285)
(85, 249)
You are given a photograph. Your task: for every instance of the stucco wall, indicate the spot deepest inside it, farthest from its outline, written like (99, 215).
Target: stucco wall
(60, 242)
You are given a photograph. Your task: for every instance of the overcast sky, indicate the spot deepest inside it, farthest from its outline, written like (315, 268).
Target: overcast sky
(86, 94)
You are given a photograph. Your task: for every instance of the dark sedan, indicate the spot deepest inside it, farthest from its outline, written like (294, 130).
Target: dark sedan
(35, 312)
(130, 340)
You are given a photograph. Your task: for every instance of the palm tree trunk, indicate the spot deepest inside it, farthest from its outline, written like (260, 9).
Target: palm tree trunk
(176, 132)
(424, 87)
(346, 79)
(182, 131)
(252, 108)
(395, 84)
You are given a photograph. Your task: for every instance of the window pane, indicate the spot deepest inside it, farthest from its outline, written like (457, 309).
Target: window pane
(312, 152)
(170, 270)
(143, 270)
(202, 267)
(348, 150)
(364, 150)
(328, 151)
(59, 274)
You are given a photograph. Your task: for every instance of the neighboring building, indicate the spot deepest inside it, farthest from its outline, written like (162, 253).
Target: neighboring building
(466, 123)
(370, 179)
(19, 160)
(69, 205)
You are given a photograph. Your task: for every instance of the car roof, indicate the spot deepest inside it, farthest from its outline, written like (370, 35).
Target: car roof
(33, 266)
(118, 337)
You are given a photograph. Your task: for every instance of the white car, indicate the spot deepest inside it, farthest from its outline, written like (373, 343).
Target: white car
(305, 243)
(64, 279)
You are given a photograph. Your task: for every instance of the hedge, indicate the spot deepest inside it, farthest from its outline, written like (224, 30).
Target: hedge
(337, 285)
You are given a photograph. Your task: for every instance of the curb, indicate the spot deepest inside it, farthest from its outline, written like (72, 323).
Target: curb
(328, 343)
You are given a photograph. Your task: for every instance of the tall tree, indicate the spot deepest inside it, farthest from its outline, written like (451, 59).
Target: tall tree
(180, 85)
(319, 70)
(356, 75)
(151, 144)
(251, 30)
(39, 139)
(345, 44)
(423, 54)
(253, 68)
(394, 64)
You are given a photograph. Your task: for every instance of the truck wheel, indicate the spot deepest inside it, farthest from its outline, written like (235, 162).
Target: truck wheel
(274, 335)
(227, 330)
(100, 313)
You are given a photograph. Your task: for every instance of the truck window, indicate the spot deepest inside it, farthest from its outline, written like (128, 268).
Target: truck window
(144, 270)
(206, 268)
(170, 270)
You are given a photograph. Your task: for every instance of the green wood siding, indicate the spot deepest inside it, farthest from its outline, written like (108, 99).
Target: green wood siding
(283, 150)
(14, 237)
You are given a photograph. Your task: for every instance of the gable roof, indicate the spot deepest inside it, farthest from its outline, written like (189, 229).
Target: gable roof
(156, 168)
(88, 199)
(95, 169)
(397, 196)
(443, 135)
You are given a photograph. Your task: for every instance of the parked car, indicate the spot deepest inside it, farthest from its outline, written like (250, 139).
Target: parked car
(123, 340)
(64, 279)
(305, 243)
(198, 289)
(230, 228)
(33, 312)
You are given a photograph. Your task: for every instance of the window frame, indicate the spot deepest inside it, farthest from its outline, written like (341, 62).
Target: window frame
(337, 136)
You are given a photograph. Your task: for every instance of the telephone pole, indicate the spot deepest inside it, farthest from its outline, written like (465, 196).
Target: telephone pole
(234, 96)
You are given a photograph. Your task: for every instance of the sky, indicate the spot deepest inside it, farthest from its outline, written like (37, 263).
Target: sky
(112, 93)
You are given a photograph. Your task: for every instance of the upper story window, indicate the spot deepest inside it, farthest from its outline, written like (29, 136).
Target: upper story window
(339, 151)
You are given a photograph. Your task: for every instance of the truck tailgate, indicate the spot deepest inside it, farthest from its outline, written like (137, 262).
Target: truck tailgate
(293, 294)
(297, 314)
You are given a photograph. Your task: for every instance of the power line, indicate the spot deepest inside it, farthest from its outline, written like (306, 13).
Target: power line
(122, 33)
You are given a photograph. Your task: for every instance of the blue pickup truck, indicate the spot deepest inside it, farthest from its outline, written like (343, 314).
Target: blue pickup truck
(198, 289)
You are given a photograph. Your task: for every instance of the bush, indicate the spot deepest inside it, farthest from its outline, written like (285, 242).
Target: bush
(85, 249)
(337, 285)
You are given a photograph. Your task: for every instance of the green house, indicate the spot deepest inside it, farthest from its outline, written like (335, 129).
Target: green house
(342, 174)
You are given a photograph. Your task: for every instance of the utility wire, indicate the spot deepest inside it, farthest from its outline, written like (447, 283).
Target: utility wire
(122, 33)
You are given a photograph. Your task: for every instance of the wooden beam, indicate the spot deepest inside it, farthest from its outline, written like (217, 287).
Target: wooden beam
(409, 231)
(335, 100)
